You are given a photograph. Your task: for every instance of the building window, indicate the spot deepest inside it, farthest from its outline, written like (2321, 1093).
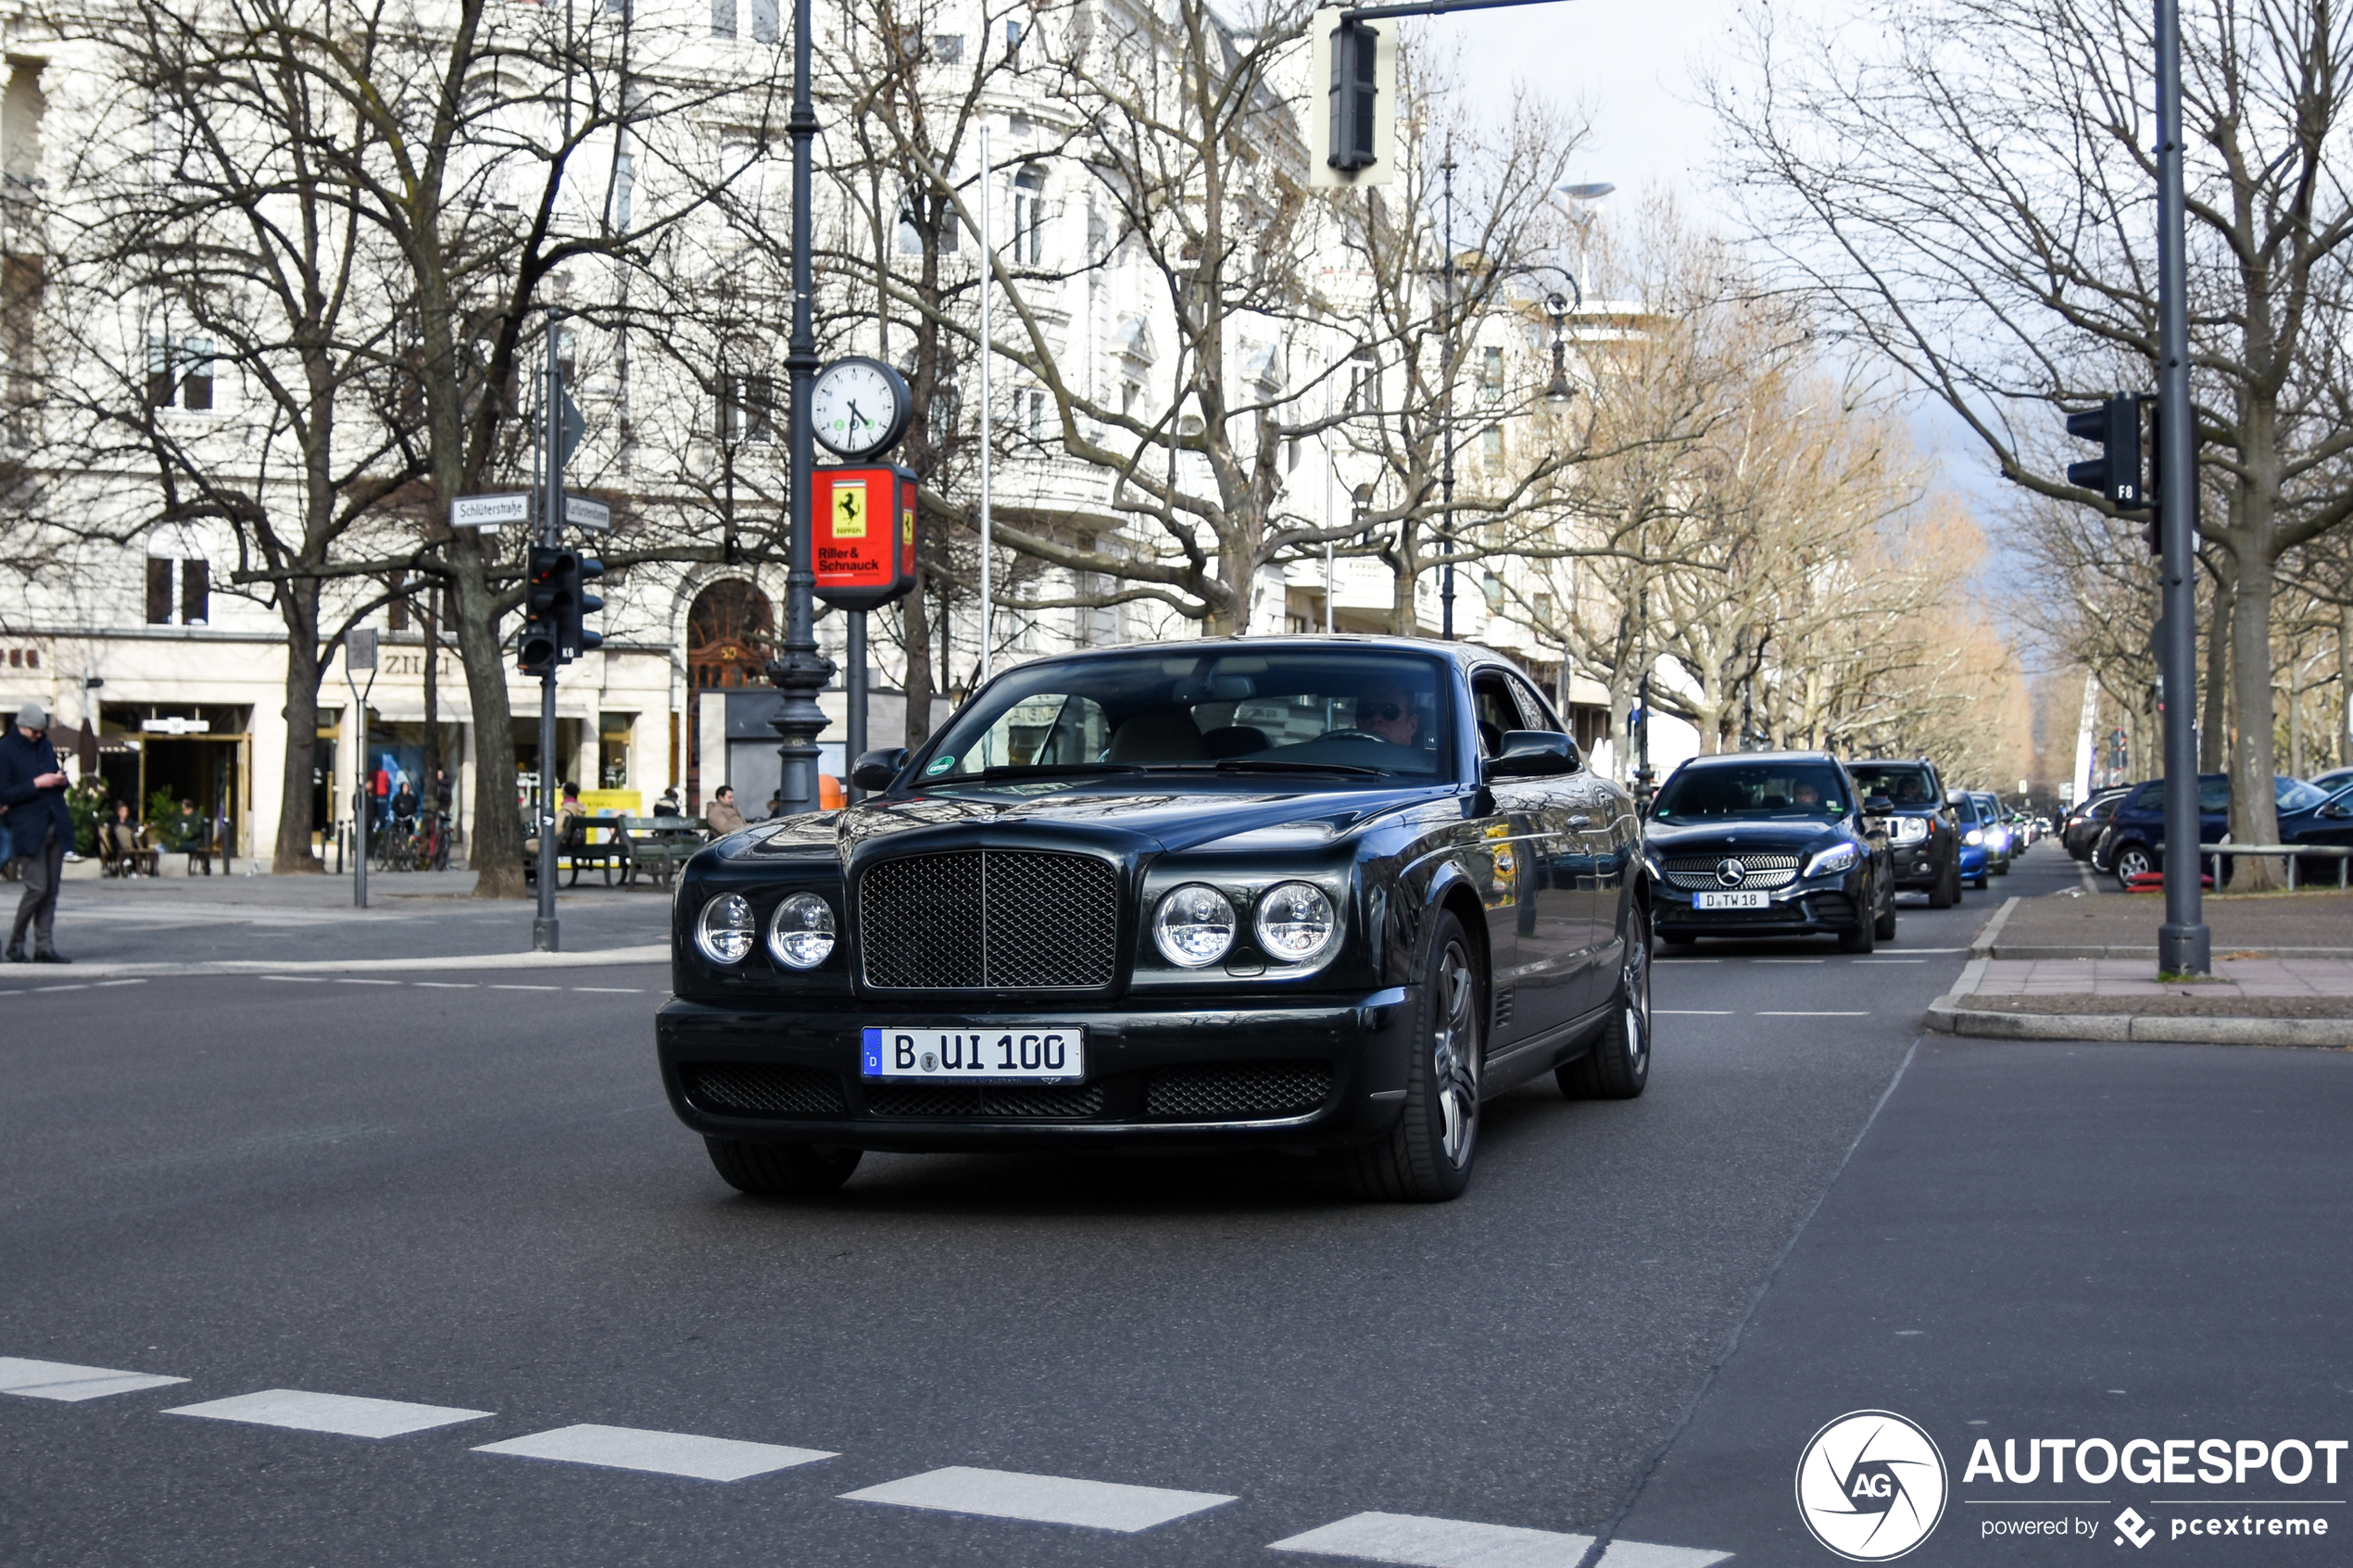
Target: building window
(179, 372)
(746, 408)
(763, 21)
(915, 219)
(1360, 380)
(1033, 414)
(624, 188)
(723, 18)
(1491, 445)
(1029, 216)
(193, 578)
(1129, 393)
(948, 49)
(1012, 42)
(1491, 375)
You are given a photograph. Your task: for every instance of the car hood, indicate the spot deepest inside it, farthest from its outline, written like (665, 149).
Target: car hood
(1152, 821)
(1707, 838)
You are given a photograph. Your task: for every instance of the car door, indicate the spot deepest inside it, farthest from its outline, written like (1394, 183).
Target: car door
(1520, 941)
(1597, 838)
(1552, 912)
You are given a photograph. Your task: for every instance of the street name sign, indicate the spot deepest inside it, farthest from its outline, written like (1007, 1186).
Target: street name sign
(582, 512)
(489, 511)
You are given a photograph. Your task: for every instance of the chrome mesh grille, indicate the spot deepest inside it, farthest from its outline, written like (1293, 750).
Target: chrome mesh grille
(1237, 1091)
(753, 1088)
(1015, 1101)
(970, 918)
(1765, 871)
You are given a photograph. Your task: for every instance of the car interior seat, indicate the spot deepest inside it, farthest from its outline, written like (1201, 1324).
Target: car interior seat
(1236, 740)
(1158, 734)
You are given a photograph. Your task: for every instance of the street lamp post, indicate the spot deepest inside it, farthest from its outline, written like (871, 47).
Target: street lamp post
(800, 672)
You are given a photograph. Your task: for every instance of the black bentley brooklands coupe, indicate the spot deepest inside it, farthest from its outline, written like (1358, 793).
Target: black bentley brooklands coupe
(1771, 844)
(1309, 893)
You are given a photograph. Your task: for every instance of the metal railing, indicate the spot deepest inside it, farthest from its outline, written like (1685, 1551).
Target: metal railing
(2214, 853)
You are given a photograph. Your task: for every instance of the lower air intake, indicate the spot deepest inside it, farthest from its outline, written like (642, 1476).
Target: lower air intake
(986, 1102)
(751, 1088)
(1238, 1091)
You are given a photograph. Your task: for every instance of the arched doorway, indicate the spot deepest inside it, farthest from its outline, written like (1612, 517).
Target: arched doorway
(731, 633)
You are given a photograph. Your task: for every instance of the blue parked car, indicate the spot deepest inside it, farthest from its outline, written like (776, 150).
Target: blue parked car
(1976, 855)
(2136, 831)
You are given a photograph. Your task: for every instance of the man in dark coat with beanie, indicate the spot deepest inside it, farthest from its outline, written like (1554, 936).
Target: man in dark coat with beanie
(33, 789)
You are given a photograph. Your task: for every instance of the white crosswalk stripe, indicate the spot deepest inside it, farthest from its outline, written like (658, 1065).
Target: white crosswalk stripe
(1044, 1499)
(70, 1383)
(1420, 1542)
(661, 1453)
(343, 1414)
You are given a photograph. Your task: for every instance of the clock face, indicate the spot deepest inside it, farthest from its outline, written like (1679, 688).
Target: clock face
(859, 407)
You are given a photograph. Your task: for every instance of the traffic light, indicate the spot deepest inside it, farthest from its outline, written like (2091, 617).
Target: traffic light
(574, 639)
(2115, 428)
(1356, 66)
(543, 592)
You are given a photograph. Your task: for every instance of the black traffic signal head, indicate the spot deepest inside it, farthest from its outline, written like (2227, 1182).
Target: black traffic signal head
(2115, 428)
(1355, 92)
(542, 592)
(572, 638)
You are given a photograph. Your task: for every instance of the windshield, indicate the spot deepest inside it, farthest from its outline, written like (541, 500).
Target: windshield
(1908, 786)
(1722, 790)
(1344, 713)
(2297, 796)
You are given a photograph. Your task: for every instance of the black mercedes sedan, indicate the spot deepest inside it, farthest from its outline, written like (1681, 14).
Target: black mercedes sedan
(1770, 844)
(1307, 893)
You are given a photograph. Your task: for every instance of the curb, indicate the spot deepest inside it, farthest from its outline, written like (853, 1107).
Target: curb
(1987, 948)
(603, 958)
(1982, 946)
(1977, 1023)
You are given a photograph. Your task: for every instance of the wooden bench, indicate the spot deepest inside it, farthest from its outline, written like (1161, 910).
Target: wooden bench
(659, 845)
(578, 842)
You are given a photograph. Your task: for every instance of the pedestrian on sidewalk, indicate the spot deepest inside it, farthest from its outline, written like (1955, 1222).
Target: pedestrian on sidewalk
(722, 816)
(32, 786)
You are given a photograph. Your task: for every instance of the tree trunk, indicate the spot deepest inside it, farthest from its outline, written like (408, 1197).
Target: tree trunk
(2254, 808)
(292, 855)
(427, 603)
(2214, 728)
(915, 637)
(494, 849)
(2341, 747)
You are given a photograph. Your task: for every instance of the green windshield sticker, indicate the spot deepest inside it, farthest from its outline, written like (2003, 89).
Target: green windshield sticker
(940, 765)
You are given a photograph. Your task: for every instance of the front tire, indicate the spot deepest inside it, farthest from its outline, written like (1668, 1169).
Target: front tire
(1427, 1157)
(1885, 929)
(1947, 891)
(781, 1170)
(2132, 861)
(1859, 939)
(1618, 1067)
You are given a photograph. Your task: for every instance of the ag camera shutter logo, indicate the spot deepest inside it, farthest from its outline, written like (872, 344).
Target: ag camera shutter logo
(1871, 1486)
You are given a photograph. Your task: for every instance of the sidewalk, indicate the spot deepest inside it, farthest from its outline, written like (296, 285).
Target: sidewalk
(414, 919)
(2024, 985)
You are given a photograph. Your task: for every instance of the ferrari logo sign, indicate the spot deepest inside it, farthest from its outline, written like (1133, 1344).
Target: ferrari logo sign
(849, 509)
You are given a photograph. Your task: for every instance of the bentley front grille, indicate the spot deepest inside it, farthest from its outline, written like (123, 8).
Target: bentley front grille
(1758, 872)
(986, 1102)
(753, 1088)
(989, 918)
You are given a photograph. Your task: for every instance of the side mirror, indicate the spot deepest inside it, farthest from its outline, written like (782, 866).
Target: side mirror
(1533, 753)
(1877, 806)
(2337, 810)
(876, 769)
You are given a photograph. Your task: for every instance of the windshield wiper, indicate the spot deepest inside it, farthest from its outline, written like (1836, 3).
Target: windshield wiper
(1047, 771)
(1279, 765)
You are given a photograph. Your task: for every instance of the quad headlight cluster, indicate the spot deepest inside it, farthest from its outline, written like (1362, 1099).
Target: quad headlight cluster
(800, 930)
(1195, 925)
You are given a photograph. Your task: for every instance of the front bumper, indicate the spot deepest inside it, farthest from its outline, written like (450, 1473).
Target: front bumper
(804, 1059)
(1814, 908)
(1921, 863)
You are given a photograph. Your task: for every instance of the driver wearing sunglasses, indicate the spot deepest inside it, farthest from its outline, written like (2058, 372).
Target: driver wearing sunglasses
(1389, 712)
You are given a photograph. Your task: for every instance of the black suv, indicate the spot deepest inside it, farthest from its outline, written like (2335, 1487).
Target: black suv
(1920, 829)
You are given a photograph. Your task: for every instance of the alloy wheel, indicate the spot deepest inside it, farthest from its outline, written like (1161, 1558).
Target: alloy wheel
(1635, 984)
(1454, 1055)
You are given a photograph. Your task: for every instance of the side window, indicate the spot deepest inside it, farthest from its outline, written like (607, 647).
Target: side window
(1493, 706)
(2214, 795)
(1538, 712)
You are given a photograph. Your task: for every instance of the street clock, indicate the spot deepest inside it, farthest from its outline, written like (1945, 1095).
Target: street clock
(860, 408)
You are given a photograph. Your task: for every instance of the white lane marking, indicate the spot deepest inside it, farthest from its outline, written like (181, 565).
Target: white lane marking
(103, 984)
(84, 986)
(1790, 960)
(613, 990)
(526, 987)
(1931, 949)
(72, 1383)
(1764, 1014)
(1439, 1543)
(447, 985)
(1693, 1012)
(1045, 1499)
(1423, 1542)
(293, 979)
(661, 1453)
(1890, 961)
(347, 982)
(341, 1414)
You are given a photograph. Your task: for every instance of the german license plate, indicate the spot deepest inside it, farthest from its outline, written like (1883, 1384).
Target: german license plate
(1032, 1054)
(1730, 901)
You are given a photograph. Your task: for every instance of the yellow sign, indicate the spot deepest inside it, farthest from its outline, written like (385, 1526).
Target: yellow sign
(850, 510)
(907, 525)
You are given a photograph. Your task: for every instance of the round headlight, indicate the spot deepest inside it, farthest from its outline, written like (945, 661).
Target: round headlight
(1194, 926)
(1974, 835)
(724, 930)
(1295, 922)
(801, 934)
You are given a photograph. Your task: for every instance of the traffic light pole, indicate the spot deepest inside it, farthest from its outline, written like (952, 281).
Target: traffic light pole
(2184, 944)
(546, 933)
(800, 672)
